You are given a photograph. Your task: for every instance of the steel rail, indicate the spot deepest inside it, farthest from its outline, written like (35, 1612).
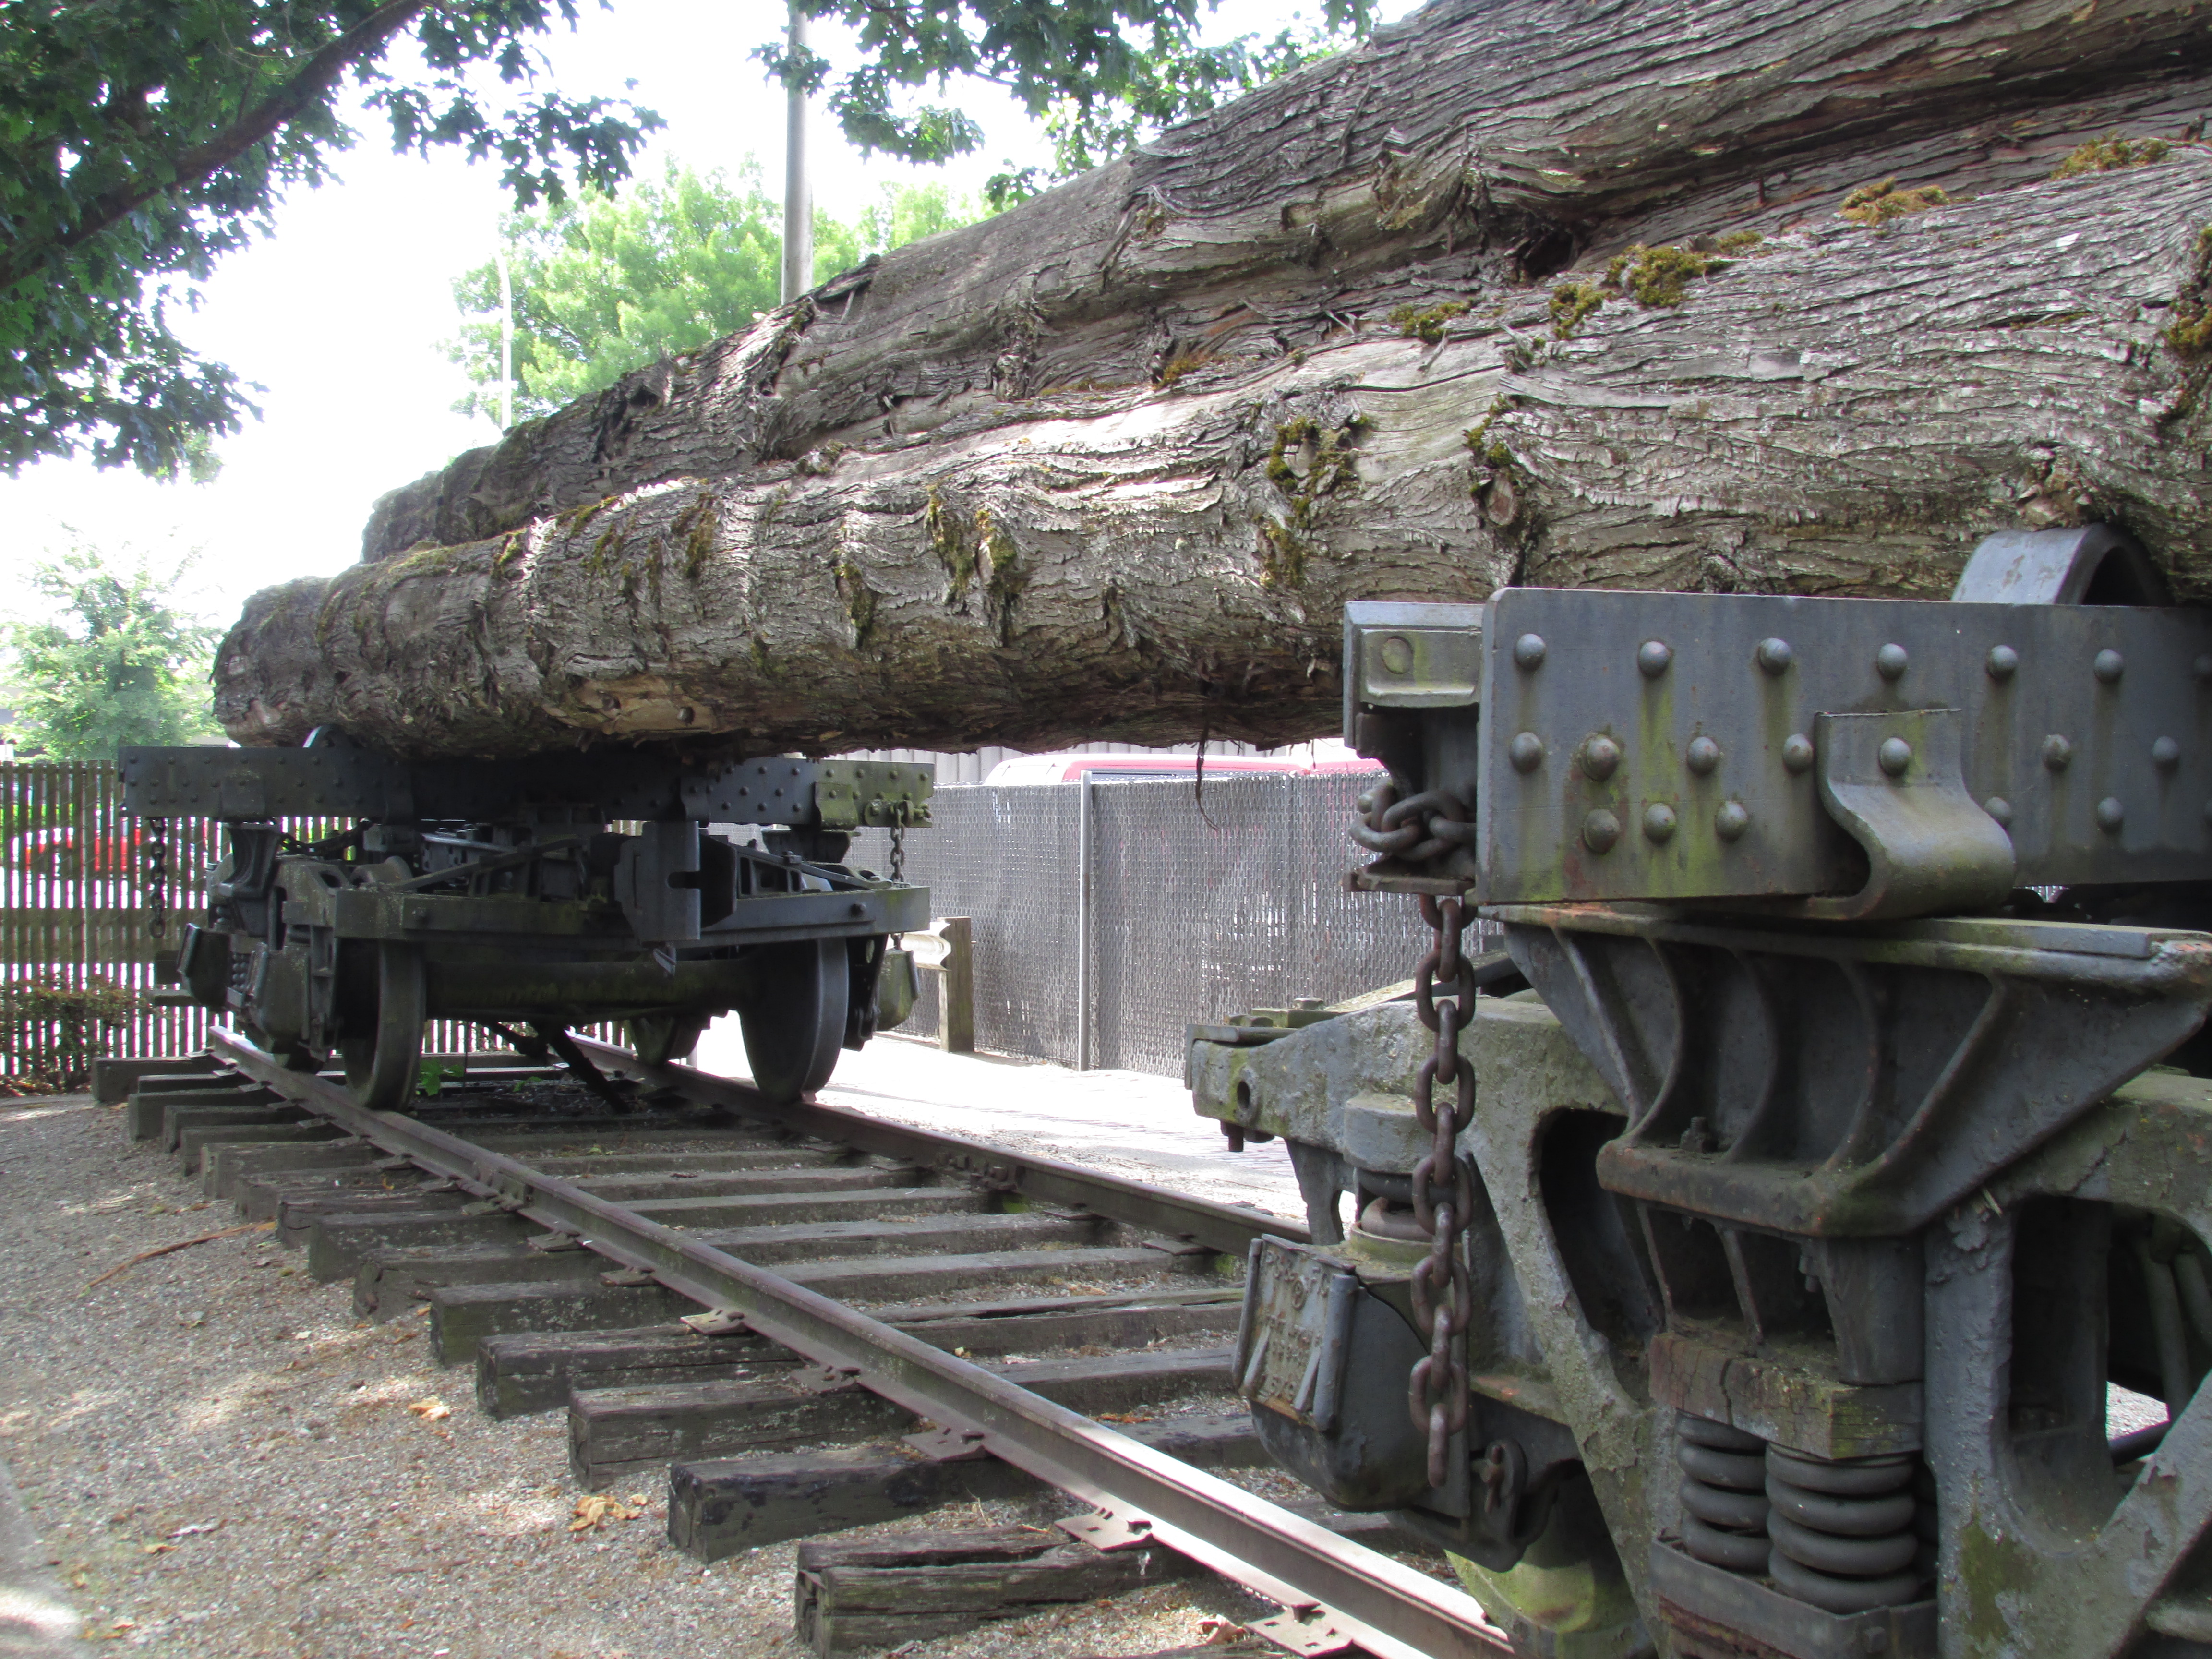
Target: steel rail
(1324, 1581)
(1228, 1228)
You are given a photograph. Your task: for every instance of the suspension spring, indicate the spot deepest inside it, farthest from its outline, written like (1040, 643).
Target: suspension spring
(1725, 1504)
(1845, 1534)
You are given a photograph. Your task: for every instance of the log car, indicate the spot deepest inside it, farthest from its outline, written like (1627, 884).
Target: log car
(504, 892)
(1737, 1259)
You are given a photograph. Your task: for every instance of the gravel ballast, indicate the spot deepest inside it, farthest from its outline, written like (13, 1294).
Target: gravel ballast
(220, 1459)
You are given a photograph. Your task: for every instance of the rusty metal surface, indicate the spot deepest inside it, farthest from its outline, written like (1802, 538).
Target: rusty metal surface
(336, 777)
(1389, 1609)
(2084, 732)
(1831, 1081)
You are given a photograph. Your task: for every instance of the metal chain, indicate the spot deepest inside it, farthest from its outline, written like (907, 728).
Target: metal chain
(1416, 830)
(898, 863)
(1443, 1191)
(156, 882)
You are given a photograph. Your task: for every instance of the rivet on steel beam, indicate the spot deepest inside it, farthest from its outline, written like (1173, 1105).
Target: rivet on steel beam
(1397, 653)
(1601, 757)
(1891, 662)
(1702, 756)
(2165, 753)
(1732, 820)
(2057, 753)
(2003, 662)
(2000, 809)
(1774, 656)
(1529, 652)
(2109, 666)
(1894, 755)
(1798, 752)
(1601, 830)
(1658, 822)
(1652, 658)
(2111, 815)
(1526, 751)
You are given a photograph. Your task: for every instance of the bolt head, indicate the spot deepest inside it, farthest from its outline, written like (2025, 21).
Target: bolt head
(1526, 751)
(1702, 756)
(1601, 830)
(1732, 820)
(1601, 757)
(2003, 662)
(2111, 815)
(2165, 753)
(2109, 666)
(2000, 809)
(1658, 824)
(1774, 656)
(1396, 653)
(2057, 753)
(1529, 652)
(1652, 658)
(1894, 755)
(1891, 662)
(1798, 752)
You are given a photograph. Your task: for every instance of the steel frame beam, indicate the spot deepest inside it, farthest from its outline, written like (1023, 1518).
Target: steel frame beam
(1327, 1584)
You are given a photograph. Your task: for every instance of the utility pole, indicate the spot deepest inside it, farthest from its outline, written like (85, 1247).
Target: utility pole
(506, 345)
(797, 198)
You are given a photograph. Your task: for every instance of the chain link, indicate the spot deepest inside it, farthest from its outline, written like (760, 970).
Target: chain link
(156, 882)
(898, 863)
(1418, 830)
(1443, 1191)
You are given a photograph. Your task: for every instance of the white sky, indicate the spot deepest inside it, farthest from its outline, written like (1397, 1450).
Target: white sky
(340, 316)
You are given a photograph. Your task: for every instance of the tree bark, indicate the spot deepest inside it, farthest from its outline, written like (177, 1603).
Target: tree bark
(1112, 463)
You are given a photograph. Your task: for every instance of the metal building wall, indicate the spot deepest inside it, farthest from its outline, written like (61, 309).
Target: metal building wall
(1193, 908)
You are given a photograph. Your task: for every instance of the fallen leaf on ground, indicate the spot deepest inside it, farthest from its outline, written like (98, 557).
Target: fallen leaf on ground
(1124, 1417)
(594, 1509)
(433, 1409)
(1220, 1633)
(157, 1549)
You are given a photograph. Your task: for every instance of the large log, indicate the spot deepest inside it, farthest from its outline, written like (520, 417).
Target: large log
(1111, 463)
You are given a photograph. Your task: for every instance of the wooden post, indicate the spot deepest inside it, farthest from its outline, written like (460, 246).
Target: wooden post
(955, 986)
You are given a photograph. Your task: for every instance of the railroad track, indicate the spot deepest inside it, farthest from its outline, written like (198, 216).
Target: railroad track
(708, 1277)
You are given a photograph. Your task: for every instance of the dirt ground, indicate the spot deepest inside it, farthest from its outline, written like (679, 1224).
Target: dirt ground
(218, 1459)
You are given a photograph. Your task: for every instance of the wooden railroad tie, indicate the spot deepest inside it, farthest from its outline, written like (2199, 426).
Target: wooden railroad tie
(850, 1596)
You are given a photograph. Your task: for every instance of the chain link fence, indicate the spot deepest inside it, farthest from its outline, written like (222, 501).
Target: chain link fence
(1152, 907)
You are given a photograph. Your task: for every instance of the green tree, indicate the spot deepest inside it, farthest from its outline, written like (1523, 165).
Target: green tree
(140, 140)
(604, 283)
(118, 660)
(1171, 83)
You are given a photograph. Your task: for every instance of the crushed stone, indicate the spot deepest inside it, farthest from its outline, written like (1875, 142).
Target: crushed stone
(221, 1460)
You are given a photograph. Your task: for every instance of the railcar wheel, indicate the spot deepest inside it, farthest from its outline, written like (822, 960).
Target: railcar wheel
(384, 1068)
(795, 1022)
(658, 1039)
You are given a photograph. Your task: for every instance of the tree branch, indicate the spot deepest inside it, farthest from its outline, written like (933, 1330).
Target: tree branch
(202, 161)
